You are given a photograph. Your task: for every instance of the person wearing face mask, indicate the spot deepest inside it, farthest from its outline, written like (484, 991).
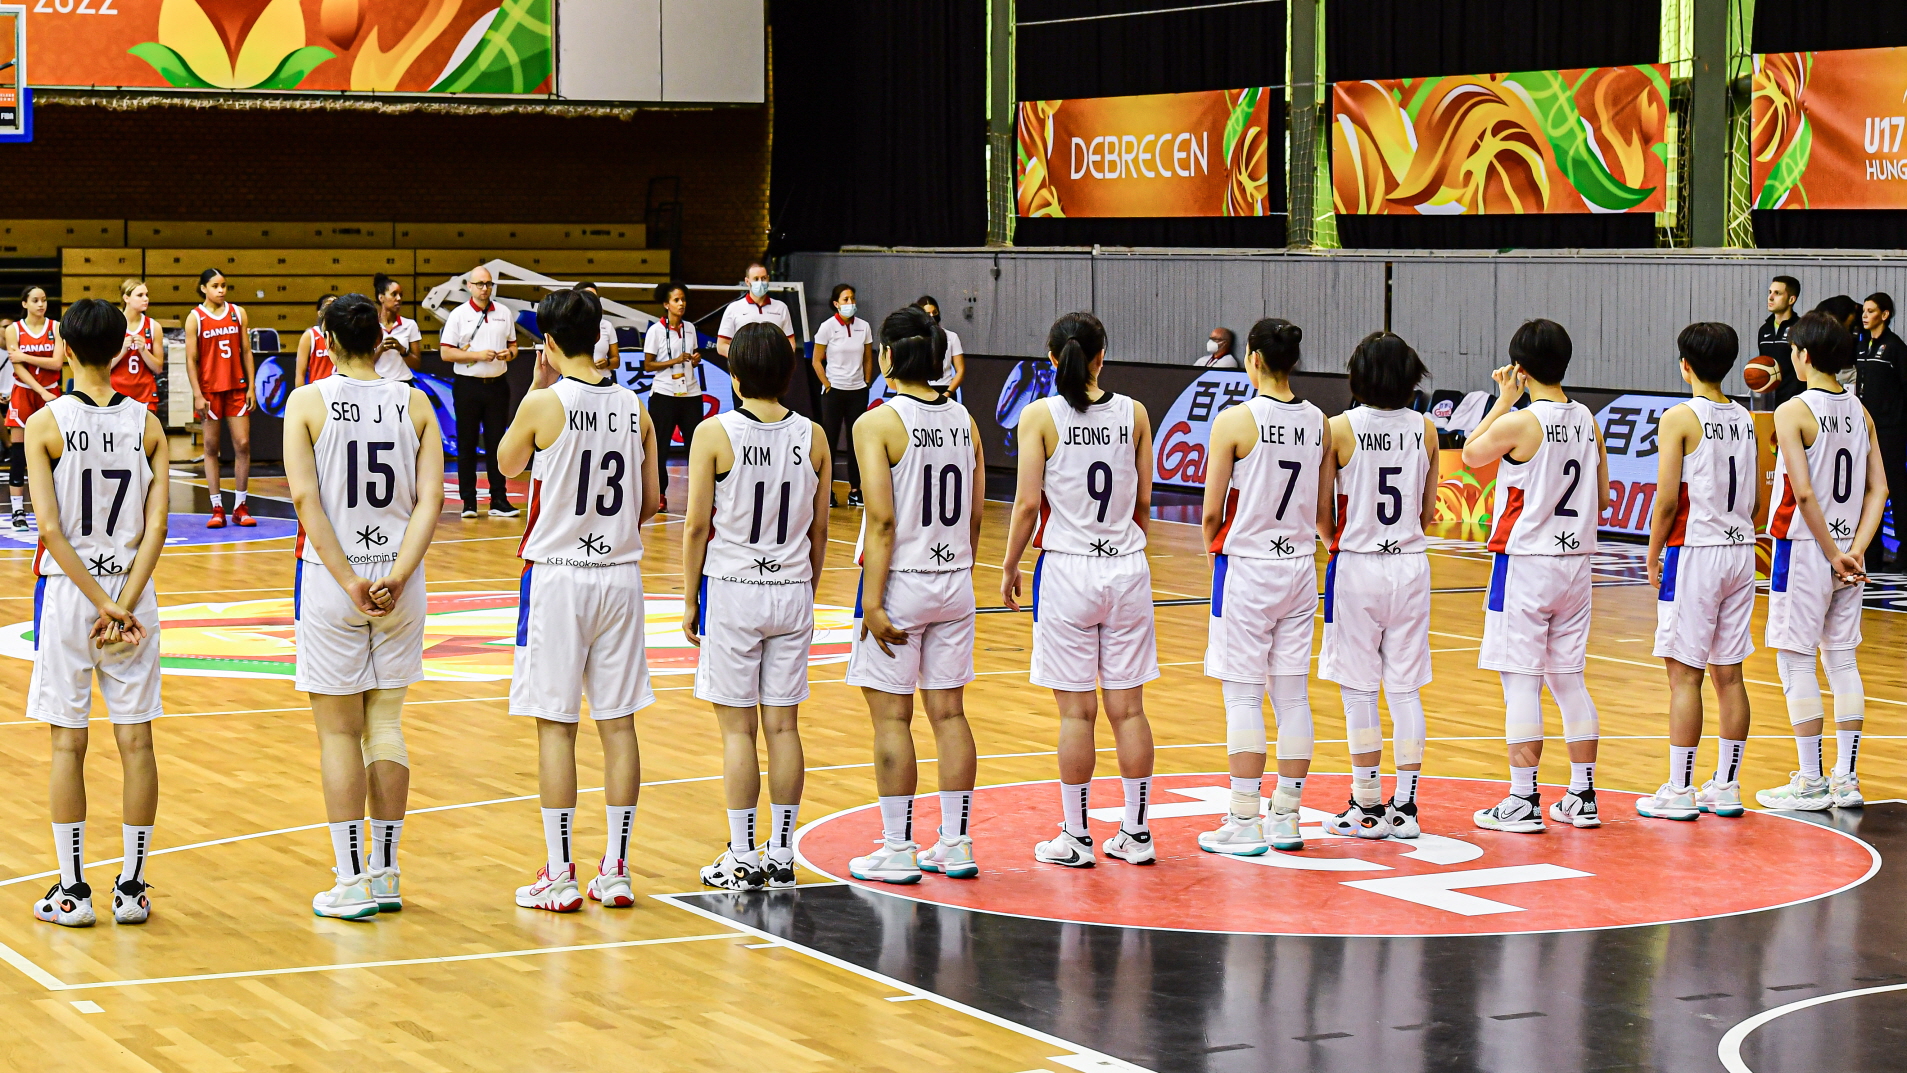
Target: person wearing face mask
(1880, 364)
(1218, 351)
(953, 368)
(844, 361)
(754, 307)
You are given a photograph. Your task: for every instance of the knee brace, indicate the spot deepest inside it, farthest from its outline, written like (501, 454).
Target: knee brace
(1522, 707)
(1580, 722)
(1799, 685)
(383, 731)
(1244, 717)
(1291, 704)
(1407, 726)
(1844, 679)
(1360, 720)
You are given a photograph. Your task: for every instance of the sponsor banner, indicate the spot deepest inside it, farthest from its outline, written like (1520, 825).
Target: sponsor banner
(1161, 154)
(400, 46)
(1586, 140)
(1629, 424)
(1828, 130)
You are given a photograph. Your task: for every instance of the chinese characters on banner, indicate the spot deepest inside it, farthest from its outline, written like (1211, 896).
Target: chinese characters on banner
(1180, 438)
(1629, 425)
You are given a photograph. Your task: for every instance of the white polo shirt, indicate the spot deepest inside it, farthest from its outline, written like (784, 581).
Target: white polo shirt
(470, 327)
(391, 366)
(743, 310)
(667, 343)
(947, 370)
(845, 344)
(605, 335)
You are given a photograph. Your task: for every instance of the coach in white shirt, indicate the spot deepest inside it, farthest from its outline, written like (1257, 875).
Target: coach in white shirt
(954, 369)
(844, 361)
(608, 352)
(479, 341)
(754, 306)
(675, 395)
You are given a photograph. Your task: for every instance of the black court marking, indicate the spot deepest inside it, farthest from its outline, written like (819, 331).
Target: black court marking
(1652, 999)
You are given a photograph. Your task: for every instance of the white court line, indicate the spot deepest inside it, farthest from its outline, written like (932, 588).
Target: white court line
(1729, 1050)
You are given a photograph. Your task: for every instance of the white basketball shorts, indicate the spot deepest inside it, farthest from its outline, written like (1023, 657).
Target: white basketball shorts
(1263, 614)
(65, 662)
(1704, 612)
(1092, 622)
(1807, 607)
(755, 643)
(1376, 621)
(936, 612)
(579, 630)
(341, 650)
(1536, 614)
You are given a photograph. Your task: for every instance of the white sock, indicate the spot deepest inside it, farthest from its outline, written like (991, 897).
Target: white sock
(558, 825)
(1138, 797)
(1406, 788)
(622, 820)
(69, 848)
(741, 831)
(1582, 776)
(1295, 786)
(1522, 780)
(1808, 751)
(347, 848)
(1363, 774)
(137, 843)
(19, 501)
(956, 811)
(1681, 766)
(897, 820)
(1847, 748)
(1728, 759)
(238, 499)
(384, 836)
(781, 841)
(1245, 797)
(218, 500)
(1073, 799)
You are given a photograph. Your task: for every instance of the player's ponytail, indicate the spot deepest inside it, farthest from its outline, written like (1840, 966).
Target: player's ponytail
(1074, 341)
(352, 322)
(916, 343)
(1275, 340)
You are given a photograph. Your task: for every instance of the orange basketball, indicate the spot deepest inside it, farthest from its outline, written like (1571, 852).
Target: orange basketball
(1761, 374)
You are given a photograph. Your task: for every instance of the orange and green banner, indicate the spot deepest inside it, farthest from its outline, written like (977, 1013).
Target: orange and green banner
(1162, 154)
(1828, 130)
(1588, 140)
(392, 46)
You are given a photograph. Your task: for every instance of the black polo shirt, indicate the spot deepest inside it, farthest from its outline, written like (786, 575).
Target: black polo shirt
(1773, 342)
(1880, 367)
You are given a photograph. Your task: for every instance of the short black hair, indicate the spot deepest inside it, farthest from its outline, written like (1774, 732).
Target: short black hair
(1710, 348)
(381, 283)
(325, 301)
(1543, 349)
(95, 332)
(1276, 340)
(664, 290)
(1840, 307)
(926, 300)
(840, 289)
(352, 321)
(1882, 301)
(586, 285)
(917, 344)
(761, 361)
(1820, 333)
(1385, 371)
(573, 317)
(1793, 285)
(206, 277)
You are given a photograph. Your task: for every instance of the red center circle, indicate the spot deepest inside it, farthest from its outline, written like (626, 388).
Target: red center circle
(1457, 880)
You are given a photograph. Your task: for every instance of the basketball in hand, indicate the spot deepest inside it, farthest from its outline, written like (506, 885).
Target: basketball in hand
(1761, 374)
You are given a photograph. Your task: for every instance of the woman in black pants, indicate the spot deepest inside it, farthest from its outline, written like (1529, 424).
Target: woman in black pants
(675, 396)
(844, 360)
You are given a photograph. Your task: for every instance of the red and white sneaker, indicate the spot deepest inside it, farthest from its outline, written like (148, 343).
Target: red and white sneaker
(217, 520)
(241, 516)
(556, 893)
(611, 885)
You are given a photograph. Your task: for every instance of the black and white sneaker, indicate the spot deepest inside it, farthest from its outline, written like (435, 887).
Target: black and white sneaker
(1517, 815)
(1361, 821)
(730, 872)
(69, 907)
(1073, 851)
(854, 497)
(777, 875)
(19, 521)
(1132, 847)
(505, 511)
(1403, 819)
(130, 904)
(1577, 809)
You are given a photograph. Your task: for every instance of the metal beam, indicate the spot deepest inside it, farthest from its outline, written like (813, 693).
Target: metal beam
(1708, 126)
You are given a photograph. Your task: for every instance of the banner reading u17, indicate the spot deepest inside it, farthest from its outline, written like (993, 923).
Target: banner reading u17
(1588, 140)
(1829, 129)
(1162, 154)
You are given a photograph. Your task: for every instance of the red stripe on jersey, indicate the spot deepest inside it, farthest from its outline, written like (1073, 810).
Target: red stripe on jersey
(1225, 529)
(1040, 533)
(39, 556)
(536, 511)
(1343, 502)
(298, 551)
(1783, 518)
(1512, 510)
(1678, 530)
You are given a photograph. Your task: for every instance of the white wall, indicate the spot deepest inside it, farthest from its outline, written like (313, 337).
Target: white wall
(687, 51)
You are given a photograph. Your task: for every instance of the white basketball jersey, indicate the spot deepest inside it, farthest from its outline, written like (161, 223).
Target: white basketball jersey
(1381, 489)
(933, 486)
(1092, 481)
(366, 457)
(765, 503)
(1271, 510)
(586, 488)
(100, 482)
(1716, 503)
(1837, 468)
(1549, 504)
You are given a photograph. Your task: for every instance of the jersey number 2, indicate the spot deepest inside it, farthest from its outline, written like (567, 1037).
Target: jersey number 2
(1572, 469)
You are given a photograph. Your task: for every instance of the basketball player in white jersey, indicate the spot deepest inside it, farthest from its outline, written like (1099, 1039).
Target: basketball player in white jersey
(1084, 498)
(752, 544)
(1552, 484)
(1829, 490)
(1377, 586)
(580, 615)
(92, 457)
(1267, 473)
(1702, 564)
(366, 467)
(924, 479)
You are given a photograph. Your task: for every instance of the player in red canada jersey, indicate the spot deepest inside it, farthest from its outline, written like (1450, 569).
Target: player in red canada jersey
(218, 355)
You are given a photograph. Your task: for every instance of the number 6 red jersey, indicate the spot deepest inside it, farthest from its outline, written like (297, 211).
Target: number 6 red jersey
(586, 487)
(1549, 504)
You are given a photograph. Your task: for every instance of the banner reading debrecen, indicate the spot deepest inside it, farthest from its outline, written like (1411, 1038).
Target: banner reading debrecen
(1589, 140)
(400, 46)
(1828, 129)
(1163, 154)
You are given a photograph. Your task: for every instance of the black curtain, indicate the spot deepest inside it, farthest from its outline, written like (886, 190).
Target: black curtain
(1064, 51)
(1413, 38)
(1822, 26)
(879, 124)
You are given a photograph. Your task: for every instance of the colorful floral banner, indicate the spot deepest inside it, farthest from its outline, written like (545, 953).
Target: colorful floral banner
(1590, 140)
(1828, 130)
(393, 46)
(1162, 154)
